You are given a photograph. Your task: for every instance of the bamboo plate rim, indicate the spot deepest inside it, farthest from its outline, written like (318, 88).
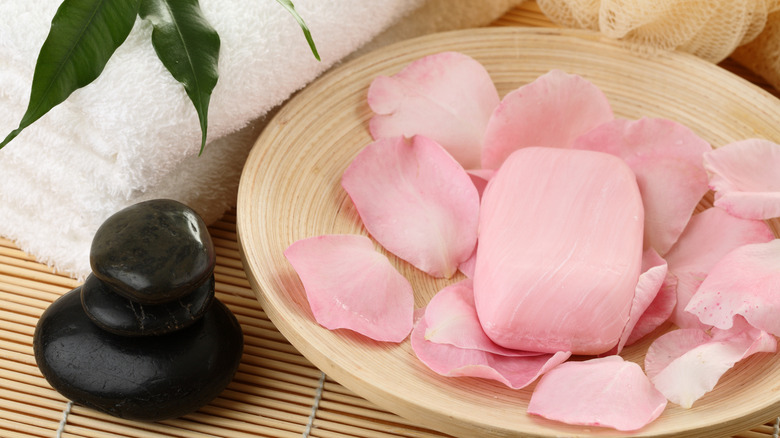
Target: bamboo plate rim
(290, 189)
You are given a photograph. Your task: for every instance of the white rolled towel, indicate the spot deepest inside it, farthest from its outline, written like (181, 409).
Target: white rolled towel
(133, 134)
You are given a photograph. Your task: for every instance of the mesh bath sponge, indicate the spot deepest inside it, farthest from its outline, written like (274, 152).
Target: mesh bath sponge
(710, 29)
(762, 55)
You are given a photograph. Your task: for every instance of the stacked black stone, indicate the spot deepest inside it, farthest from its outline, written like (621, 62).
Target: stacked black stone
(143, 338)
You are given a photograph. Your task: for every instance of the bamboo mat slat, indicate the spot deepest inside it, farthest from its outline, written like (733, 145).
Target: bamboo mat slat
(274, 394)
(271, 395)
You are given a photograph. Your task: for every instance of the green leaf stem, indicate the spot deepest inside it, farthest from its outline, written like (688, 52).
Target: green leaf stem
(83, 36)
(188, 47)
(287, 4)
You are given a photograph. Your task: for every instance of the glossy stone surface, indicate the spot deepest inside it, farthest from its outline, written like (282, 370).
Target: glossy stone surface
(146, 378)
(153, 252)
(119, 315)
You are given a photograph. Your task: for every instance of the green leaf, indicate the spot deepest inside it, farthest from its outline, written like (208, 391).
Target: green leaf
(287, 4)
(83, 36)
(188, 47)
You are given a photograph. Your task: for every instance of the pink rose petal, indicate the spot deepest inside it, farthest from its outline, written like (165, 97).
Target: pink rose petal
(745, 282)
(351, 285)
(480, 178)
(447, 360)
(468, 267)
(650, 281)
(672, 345)
(606, 392)
(667, 160)
(709, 236)
(745, 178)
(451, 319)
(551, 111)
(685, 364)
(447, 97)
(559, 252)
(658, 312)
(416, 201)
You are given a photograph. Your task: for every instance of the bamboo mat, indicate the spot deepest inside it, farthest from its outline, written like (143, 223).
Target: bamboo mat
(273, 394)
(276, 392)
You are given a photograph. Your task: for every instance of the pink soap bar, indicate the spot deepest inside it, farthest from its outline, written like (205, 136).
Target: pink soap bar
(560, 251)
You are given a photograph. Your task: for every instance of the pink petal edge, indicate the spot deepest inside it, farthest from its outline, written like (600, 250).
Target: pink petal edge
(658, 312)
(551, 111)
(447, 97)
(745, 178)
(480, 178)
(351, 285)
(605, 392)
(416, 201)
(651, 279)
(685, 364)
(470, 264)
(666, 157)
(745, 282)
(451, 318)
(696, 252)
(450, 361)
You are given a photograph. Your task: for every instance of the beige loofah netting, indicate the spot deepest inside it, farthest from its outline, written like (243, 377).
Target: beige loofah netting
(710, 29)
(762, 55)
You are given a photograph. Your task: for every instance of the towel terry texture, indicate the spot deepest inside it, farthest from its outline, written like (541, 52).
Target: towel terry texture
(133, 134)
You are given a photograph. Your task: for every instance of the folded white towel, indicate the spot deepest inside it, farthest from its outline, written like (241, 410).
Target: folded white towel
(133, 134)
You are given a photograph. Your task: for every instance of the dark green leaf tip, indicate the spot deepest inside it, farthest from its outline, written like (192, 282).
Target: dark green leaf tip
(10, 137)
(188, 47)
(287, 4)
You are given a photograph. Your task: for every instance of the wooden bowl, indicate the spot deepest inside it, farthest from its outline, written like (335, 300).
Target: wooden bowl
(290, 189)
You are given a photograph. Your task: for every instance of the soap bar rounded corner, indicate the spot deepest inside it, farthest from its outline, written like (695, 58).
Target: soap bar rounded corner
(562, 206)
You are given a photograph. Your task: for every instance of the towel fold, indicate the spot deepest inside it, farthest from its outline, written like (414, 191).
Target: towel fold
(133, 134)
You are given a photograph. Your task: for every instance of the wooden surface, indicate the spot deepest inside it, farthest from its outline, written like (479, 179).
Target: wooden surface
(291, 190)
(276, 393)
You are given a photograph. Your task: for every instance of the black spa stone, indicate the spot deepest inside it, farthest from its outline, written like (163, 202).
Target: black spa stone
(148, 378)
(153, 252)
(119, 315)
